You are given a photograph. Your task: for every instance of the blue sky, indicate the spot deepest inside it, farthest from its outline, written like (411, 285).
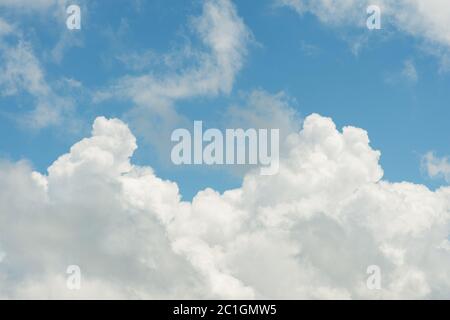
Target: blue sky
(312, 62)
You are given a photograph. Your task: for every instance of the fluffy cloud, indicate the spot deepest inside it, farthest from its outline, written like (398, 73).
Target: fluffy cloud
(427, 20)
(436, 167)
(50, 222)
(309, 232)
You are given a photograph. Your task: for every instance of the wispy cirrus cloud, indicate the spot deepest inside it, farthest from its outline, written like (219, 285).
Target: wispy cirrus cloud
(408, 74)
(208, 70)
(225, 38)
(21, 72)
(425, 20)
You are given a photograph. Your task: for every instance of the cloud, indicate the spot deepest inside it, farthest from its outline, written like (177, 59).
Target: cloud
(207, 70)
(309, 49)
(426, 20)
(332, 12)
(407, 75)
(224, 36)
(5, 28)
(262, 110)
(32, 4)
(436, 167)
(409, 71)
(55, 11)
(21, 72)
(309, 232)
(28, 6)
(120, 245)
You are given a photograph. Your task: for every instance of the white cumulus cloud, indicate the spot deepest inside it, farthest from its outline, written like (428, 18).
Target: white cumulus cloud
(309, 232)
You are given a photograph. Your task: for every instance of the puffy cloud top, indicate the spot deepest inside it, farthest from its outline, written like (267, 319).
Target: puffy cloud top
(309, 232)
